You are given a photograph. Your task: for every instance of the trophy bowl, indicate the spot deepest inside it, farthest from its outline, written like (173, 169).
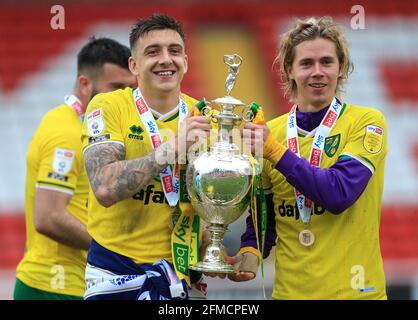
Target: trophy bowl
(219, 186)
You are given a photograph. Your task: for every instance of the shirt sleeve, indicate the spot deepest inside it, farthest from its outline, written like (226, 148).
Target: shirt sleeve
(102, 122)
(368, 141)
(60, 159)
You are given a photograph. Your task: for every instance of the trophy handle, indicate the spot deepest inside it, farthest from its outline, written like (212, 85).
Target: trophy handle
(206, 111)
(205, 108)
(248, 114)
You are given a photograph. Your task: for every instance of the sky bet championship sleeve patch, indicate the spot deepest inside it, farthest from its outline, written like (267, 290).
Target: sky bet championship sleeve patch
(95, 123)
(373, 139)
(63, 161)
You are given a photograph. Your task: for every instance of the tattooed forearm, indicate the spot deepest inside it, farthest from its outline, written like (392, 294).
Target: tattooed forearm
(114, 179)
(97, 157)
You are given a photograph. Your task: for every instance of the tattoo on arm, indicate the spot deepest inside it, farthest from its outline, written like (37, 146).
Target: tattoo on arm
(117, 179)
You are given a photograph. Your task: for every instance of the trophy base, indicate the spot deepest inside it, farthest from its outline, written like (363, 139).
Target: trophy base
(217, 267)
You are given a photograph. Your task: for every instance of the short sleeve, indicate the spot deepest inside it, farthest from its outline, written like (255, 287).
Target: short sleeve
(367, 141)
(60, 158)
(102, 121)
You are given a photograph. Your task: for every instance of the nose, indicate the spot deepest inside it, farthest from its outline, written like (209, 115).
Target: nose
(165, 57)
(317, 72)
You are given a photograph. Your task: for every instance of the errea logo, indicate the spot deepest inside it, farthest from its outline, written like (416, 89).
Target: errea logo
(135, 133)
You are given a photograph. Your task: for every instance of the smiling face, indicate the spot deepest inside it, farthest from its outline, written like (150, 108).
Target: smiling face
(315, 70)
(159, 62)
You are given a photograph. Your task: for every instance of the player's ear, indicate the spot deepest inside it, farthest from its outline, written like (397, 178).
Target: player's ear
(341, 73)
(290, 73)
(186, 65)
(133, 66)
(85, 86)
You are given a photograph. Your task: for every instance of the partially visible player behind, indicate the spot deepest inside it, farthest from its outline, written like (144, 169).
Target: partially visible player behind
(56, 183)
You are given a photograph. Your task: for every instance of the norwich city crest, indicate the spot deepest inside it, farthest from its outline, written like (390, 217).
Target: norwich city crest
(331, 145)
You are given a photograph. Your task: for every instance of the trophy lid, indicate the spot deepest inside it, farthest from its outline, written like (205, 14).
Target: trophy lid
(229, 100)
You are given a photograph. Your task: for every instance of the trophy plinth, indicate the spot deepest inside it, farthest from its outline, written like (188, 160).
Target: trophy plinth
(219, 181)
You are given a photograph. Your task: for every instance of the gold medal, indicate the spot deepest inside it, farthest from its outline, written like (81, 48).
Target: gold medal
(306, 237)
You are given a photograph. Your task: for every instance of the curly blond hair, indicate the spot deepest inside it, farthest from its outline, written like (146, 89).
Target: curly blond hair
(310, 29)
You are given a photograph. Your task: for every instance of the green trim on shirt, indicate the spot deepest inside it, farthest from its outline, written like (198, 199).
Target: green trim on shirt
(344, 156)
(369, 162)
(174, 116)
(56, 184)
(342, 110)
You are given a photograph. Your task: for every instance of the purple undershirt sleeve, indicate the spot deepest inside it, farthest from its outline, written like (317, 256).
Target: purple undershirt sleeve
(335, 188)
(248, 239)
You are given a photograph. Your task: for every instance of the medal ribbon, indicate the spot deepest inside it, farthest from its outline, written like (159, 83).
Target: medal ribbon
(185, 250)
(258, 199)
(258, 204)
(182, 244)
(75, 103)
(169, 180)
(327, 123)
(186, 233)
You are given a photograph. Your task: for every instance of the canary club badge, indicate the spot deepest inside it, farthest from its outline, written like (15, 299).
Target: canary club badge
(63, 161)
(95, 123)
(373, 139)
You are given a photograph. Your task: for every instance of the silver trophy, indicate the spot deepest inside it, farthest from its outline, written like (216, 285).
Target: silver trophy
(219, 181)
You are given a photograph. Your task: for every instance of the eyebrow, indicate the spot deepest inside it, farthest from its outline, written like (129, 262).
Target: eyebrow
(152, 46)
(156, 46)
(321, 58)
(327, 58)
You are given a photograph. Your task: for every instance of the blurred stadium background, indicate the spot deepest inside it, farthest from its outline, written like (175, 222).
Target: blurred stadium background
(38, 64)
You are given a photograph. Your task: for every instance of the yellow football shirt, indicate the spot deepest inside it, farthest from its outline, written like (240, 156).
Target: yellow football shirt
(55, 162)
(138, 227)
(344, 262)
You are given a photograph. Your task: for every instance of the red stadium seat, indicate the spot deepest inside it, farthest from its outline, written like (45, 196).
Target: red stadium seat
(12, 239)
